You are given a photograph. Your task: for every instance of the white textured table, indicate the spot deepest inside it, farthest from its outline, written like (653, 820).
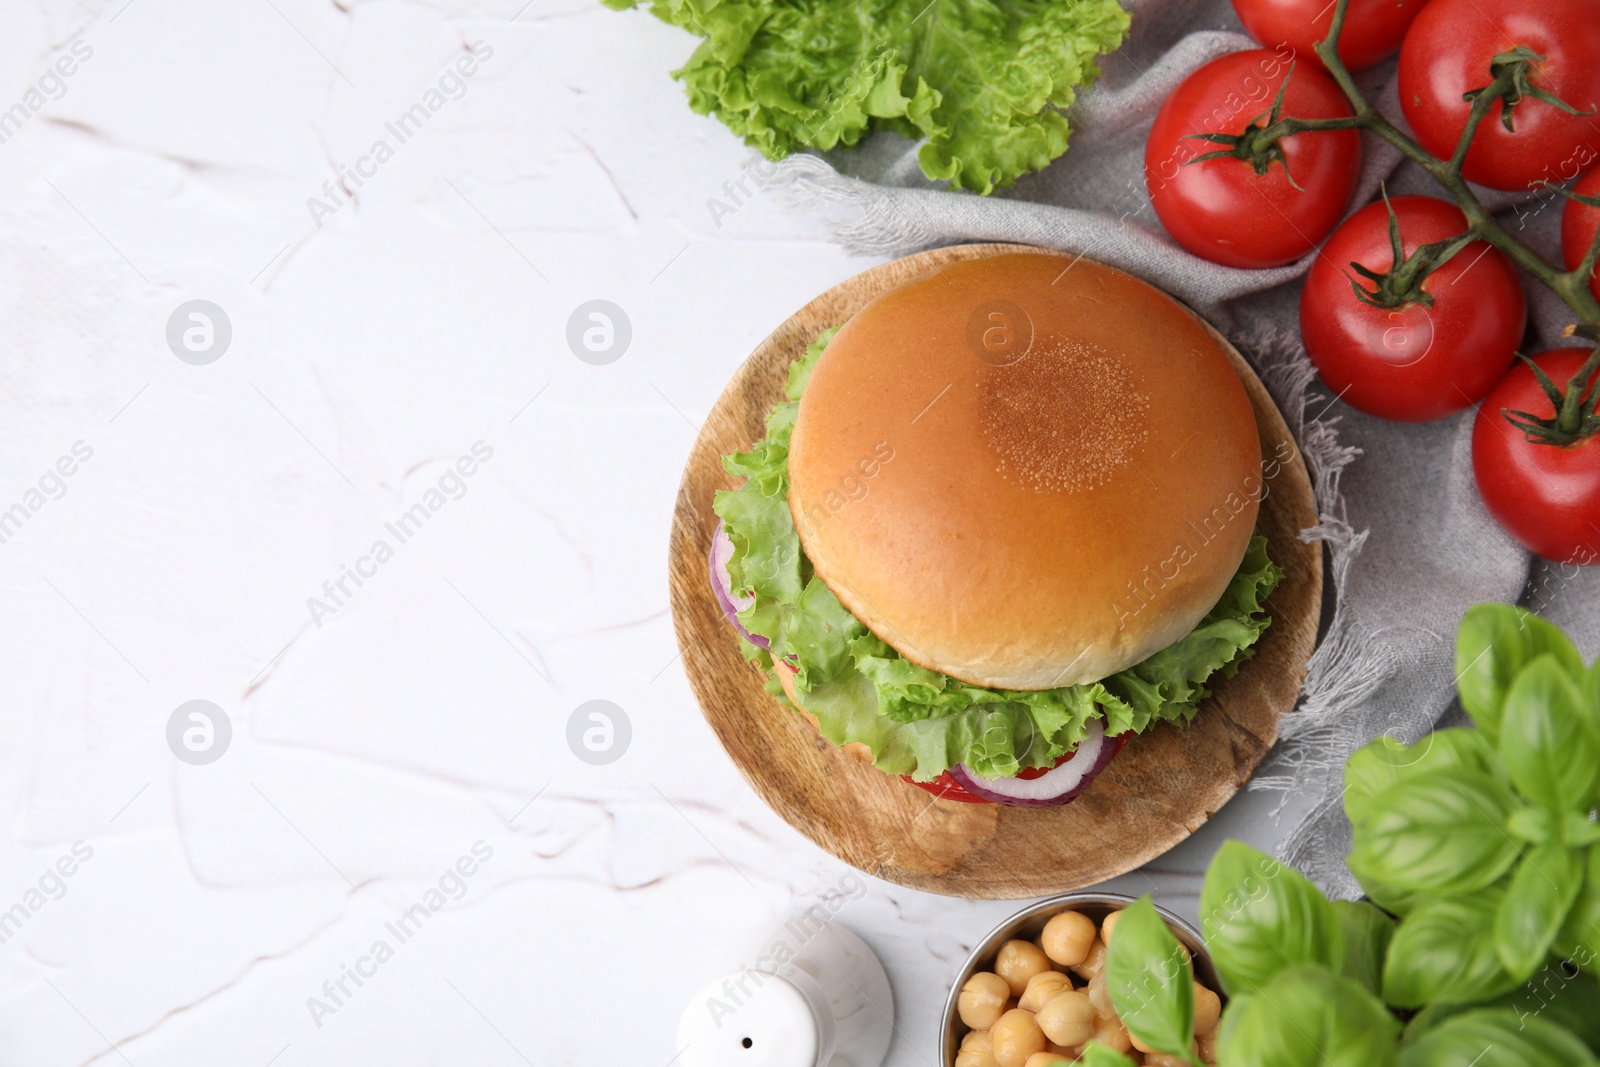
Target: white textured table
(179, 529)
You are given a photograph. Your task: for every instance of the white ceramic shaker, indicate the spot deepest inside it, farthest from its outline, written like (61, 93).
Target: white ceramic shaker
(817, 996)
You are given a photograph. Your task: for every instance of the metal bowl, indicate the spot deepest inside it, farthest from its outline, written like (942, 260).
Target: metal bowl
(1028, 923)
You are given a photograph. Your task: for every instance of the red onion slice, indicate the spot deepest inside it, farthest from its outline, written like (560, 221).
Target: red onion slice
(1056, 786)
(722, 585)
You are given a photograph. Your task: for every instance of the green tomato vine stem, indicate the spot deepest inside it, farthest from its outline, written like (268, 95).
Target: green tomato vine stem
(1572, 287)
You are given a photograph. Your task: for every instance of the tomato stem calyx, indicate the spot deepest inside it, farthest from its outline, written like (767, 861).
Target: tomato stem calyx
(1260, 144)
(1401, 285)
(1575, 419)
(1512, 84)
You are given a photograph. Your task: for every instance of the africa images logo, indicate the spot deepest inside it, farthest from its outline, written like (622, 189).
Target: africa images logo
(451, 85)
(450, 887)
(451, 485)
(51, 485)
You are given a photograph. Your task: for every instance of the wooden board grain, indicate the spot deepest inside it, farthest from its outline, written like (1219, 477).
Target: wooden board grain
(1162, 787)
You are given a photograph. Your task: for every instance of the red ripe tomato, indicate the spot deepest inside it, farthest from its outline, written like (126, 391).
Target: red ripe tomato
(1448, 52)
(1372, 30)
(1221, 209)
(1579, 223)
(1546, 496)
(1412, 363)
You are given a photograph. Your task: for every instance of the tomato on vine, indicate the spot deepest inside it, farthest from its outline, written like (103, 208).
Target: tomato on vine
(1536, 455)
(1580, 222)
(1536, 68)
(1230, 190)
(1373, 29)
(1405, 316)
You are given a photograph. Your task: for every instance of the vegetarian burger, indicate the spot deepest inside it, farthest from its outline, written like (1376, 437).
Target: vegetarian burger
(1004, 521)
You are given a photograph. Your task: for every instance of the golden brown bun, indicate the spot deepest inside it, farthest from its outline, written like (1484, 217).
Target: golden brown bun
(1025, 471)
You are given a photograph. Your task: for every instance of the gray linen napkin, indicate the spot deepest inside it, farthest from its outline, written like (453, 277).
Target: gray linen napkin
(1410, 544)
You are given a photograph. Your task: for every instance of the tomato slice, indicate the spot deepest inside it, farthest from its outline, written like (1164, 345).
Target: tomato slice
(946, 788)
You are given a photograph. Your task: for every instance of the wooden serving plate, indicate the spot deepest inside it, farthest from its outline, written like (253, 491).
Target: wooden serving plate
(1162, 787)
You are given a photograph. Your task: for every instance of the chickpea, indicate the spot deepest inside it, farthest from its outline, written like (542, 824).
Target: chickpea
(1100, 997)
(977, 1050)
(1047, 1059)
(1107, 924)
(1094, 963)
(1113, 1035)
(1207, 1010)
(1019, 961)
(1066, 1052)
(1068, 1018)
(1041, 987)
(1162, 1059)
(1015, 1037)
(1206, 1045)
(983, 1000)
(1067, 937)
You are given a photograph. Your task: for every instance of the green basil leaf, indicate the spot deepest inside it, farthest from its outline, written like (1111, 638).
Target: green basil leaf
(1496, 1038)
(1579, 830)
(1579, 939)
(1150, 980)
(1428, 1018)
(1558, 993)
(1367, 933)
(1542, 891)
(1445, 952)
(1536, 825)
(1549, 747)
(1441, 832)
(1236, 1009)
(1097, 1055)
(1375, 767)
(1259, 917)
(1494, 643)
(1307, 1016)
(1392, 899)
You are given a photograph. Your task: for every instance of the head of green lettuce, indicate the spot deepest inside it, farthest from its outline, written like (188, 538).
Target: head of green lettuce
(983, 87)
(919, 722)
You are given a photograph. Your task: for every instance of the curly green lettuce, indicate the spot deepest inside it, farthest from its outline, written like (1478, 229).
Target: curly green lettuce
(981, 82)
(918, 721)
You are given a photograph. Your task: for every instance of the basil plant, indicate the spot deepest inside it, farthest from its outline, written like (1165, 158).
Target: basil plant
(1479, 945)
(1308, 983)
(1484, 839)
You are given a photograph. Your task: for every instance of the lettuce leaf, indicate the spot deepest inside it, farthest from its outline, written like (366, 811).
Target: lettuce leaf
(920, 722)
(981, 82)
